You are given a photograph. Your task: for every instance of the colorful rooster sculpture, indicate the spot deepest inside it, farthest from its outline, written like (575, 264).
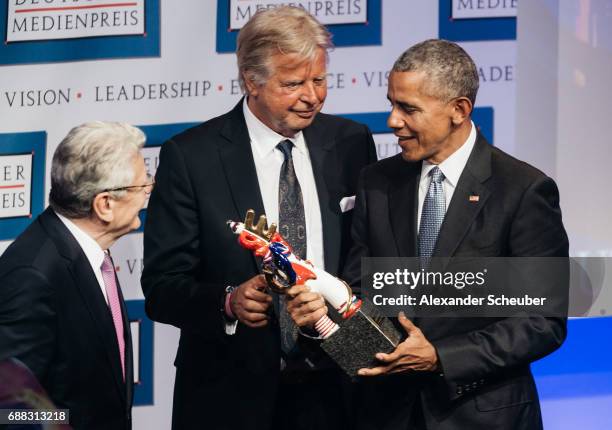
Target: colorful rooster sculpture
(283, 269)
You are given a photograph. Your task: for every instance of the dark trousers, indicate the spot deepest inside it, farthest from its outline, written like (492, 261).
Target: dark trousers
(417, 420)
(314, 400)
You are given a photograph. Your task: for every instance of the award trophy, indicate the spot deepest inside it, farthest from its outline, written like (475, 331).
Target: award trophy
(363, 331)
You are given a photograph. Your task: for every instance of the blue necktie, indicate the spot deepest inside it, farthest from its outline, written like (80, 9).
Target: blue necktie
(432, 215)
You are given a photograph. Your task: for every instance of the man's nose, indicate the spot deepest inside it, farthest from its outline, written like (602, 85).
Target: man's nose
(309, 93)
(394, 121)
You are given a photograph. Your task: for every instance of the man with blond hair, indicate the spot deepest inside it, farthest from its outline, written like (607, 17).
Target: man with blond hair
(61, 309)
(241, 362)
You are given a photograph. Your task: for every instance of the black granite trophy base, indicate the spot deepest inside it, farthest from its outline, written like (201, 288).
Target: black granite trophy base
(359, 338)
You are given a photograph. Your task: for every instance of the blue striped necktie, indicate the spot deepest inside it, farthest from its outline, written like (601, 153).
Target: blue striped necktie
(432, 215)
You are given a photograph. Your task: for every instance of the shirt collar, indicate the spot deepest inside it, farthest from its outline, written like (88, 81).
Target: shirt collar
(90, 247)
(263, 138)
(453, 166)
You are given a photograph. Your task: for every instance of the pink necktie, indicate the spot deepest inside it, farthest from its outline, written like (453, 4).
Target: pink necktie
(112, 292)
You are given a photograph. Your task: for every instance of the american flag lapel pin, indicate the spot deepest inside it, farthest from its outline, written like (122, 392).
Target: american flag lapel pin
(474, 199)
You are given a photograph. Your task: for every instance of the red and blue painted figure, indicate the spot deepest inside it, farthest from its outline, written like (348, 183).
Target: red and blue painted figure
(283, 269)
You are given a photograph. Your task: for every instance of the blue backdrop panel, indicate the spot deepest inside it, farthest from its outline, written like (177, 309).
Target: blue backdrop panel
(143, 390)
(25, 143)
(583, 364)
(369, 33)
(473, 29)
(90, 48)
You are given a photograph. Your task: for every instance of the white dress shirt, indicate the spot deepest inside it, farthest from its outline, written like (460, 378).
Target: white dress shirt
(452, 168)
(268, 163)
(93, 252)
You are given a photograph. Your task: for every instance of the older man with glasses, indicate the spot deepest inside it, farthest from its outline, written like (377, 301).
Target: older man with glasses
(61, 309)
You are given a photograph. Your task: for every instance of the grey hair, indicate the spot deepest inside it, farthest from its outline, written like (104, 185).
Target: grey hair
(451, 72)
(93, 157)
(281, 30)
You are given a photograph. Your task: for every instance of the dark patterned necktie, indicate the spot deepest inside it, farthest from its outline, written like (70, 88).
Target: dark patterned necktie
(291, 219)
(292, 226)
(432, 215)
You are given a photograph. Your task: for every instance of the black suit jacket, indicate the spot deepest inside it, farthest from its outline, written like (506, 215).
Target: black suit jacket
(207, 176)
(54, 318)
(486, 380)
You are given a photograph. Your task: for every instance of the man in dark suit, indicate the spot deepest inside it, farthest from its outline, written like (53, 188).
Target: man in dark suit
(61, 310)
(450, 194)
(274, 153)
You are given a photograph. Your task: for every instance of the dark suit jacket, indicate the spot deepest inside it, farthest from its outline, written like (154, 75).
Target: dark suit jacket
(54, 318)
(207, 176)
(486, 380)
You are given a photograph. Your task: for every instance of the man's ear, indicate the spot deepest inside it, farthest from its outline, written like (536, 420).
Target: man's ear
(102, 207)
(461, 109)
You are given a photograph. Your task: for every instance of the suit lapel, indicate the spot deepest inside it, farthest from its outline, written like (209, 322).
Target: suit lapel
(238, 164)
(463, 210)
(92, 296)
(319, 148)
(129, 360)
(239, 167)
(88, 288)
(403, 207)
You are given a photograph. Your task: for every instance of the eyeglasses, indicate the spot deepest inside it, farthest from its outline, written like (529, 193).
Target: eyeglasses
(148, 187)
